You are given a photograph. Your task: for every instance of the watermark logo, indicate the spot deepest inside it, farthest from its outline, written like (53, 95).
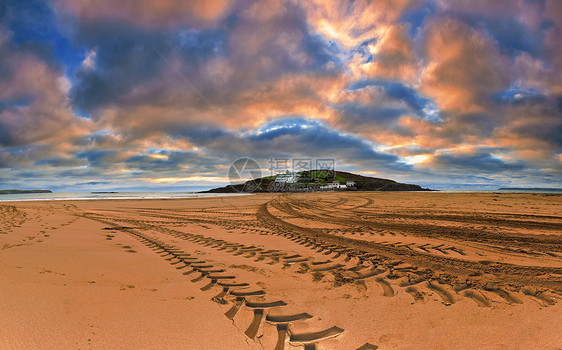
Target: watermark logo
(316, 168)
(245, 171)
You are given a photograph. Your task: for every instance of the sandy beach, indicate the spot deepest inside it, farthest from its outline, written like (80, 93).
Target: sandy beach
(337, 270)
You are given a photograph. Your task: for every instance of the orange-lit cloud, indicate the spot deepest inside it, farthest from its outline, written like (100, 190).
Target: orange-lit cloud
(463, 67)
(393, 56)
(351, 23)
(36, 107)
(161, 13)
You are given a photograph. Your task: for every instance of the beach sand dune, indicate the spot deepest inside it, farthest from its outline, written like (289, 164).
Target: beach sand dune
(338, 270)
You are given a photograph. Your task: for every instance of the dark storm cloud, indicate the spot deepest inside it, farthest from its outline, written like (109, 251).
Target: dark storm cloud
(19, 156)
(121, 62)
(6, 138)
(284, 40)
(481, 160)
(172, 161)
(417, 15)
(292, 136)
(139, 55)
(203, 135)
(355, 114)
(517, 96)
(550, 133)
(58, 161)
(101, 158)
(321, 51)
(461, 126)
(396, 90)
(512, 36)
(32, 24)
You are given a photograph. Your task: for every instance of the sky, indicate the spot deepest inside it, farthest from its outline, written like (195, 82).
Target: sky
(165, 95)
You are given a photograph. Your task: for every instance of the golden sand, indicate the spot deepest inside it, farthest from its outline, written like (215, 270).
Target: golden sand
(337, 270)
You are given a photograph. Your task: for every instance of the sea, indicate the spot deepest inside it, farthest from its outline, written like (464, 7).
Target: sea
(59, 196)
(511, 190)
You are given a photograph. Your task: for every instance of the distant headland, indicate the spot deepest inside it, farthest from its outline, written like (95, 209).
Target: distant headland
(24, 191)
(317, 180)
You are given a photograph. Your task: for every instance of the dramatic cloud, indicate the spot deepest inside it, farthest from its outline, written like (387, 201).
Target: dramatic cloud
(353, 22)
(464, 67)
(161, 13)
(392, 56)
(149, 94)
(36, 118)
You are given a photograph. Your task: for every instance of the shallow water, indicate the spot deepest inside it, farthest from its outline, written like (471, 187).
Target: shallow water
(115, 195)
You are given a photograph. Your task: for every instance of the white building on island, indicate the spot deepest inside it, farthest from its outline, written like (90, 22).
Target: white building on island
(288, 178)
(334, 185)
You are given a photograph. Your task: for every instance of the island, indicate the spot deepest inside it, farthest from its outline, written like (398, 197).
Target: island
(317, 180)
(24, 191)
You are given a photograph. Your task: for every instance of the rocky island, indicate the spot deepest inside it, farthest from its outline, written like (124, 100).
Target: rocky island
(317, 180)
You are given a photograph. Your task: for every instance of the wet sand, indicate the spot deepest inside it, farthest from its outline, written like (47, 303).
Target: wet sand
(338, 270)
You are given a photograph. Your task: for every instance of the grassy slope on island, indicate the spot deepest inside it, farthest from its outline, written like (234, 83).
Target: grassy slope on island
(362, 183)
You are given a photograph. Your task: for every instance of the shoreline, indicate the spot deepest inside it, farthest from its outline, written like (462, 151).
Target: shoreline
(193, 196)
